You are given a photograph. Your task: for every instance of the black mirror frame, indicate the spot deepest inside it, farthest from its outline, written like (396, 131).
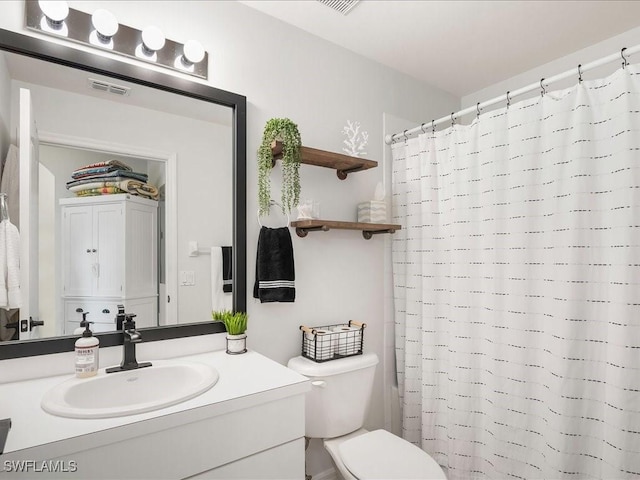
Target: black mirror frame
(82, 60)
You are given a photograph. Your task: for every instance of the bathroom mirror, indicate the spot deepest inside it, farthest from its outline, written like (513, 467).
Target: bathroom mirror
(203, 173)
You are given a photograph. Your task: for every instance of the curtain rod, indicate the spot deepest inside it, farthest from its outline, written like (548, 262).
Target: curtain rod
(544, 82)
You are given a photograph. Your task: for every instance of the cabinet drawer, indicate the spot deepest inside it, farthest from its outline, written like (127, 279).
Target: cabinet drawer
(100, 311)
(103, 313)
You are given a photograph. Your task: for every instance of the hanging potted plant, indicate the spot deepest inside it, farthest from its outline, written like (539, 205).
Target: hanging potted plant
(285, 131)
(236, 325)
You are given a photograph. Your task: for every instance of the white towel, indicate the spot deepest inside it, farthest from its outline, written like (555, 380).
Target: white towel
(219, 299)
(9, 266)
(10, 184)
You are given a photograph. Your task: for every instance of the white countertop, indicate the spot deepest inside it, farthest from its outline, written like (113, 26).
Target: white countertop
(245, 380)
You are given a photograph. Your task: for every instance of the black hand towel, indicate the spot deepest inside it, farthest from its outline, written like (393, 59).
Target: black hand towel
(227, 268)
(275, 272)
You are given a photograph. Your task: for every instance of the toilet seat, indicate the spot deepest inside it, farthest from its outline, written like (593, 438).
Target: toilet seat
(382, 455)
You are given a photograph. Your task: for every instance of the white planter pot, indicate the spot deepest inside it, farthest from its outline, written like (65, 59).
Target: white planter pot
(237, 344)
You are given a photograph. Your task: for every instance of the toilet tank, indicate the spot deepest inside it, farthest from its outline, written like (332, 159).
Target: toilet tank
(340, 393)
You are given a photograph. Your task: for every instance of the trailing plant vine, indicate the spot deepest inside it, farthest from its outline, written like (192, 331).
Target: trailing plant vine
(285, 131)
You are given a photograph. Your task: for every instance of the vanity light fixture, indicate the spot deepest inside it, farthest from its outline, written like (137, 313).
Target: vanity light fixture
(102, 30)
(105, 27)
(54, 15)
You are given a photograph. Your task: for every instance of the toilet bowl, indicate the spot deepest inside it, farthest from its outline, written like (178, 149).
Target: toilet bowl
(335, 410)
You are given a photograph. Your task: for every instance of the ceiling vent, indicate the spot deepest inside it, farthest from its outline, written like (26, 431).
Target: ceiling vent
(108, 87)
(342, 6)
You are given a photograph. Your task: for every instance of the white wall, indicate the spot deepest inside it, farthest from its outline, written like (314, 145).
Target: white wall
(285, 72)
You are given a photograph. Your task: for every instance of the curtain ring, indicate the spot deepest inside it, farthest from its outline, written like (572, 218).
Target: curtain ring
(406, 137)
(453, 120)
(508, 99)
(422, 128)
(624, 59)
(478, 110)
(433, 126)
(579, 73)
(543, 91)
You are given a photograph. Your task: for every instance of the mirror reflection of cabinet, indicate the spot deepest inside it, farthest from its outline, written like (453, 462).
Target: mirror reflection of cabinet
(109, 257)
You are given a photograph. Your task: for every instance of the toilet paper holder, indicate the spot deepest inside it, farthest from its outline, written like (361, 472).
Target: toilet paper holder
(330, 342)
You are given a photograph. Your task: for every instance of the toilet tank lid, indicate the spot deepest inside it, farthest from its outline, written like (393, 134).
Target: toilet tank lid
(309, 368)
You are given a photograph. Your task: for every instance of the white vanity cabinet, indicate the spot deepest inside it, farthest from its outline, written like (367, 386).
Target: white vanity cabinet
(260, 442)
(109, 257)
(250, 425)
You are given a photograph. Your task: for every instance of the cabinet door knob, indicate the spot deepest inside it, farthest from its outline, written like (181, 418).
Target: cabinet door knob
(88, 250)
(79, 310)
(106, 310)
(93, 250)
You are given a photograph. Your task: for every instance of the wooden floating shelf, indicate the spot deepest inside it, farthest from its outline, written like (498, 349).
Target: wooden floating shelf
(303, 227)
(343, 164)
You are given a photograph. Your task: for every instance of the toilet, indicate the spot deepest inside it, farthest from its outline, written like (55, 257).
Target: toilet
(335, 410)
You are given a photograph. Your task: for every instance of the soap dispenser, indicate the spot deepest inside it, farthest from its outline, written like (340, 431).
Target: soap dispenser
(87, 350)
(83, 324)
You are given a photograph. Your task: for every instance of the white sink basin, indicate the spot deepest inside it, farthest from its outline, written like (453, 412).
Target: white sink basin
(118, 394)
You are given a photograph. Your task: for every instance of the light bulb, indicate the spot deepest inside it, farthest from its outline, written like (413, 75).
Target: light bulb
(192, 52)
(55, 13)
(105, 24)
(152, 40)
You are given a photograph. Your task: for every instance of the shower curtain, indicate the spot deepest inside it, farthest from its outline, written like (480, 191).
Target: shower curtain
(516, 287)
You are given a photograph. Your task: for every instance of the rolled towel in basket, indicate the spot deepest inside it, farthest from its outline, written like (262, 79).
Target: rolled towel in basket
(275, 272)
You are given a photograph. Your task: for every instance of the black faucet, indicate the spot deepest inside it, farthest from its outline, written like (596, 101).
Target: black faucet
(124, 322)
(120, 317)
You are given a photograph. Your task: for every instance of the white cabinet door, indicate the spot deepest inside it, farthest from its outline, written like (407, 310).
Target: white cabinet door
(93, 250)
(110, 254)
(141, 251)
(108, 228)
(78, 257)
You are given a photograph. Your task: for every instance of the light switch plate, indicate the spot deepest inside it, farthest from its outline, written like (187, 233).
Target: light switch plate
(187, 278)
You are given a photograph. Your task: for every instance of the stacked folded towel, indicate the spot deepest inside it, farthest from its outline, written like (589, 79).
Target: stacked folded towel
(106, 178)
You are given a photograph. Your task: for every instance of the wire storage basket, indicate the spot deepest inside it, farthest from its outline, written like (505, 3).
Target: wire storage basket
(330, 342)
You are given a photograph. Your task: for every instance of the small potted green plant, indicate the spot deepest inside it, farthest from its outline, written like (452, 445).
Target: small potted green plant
(285, 131)
(236, 325)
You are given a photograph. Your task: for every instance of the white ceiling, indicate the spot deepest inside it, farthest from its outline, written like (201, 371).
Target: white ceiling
(461, 46)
